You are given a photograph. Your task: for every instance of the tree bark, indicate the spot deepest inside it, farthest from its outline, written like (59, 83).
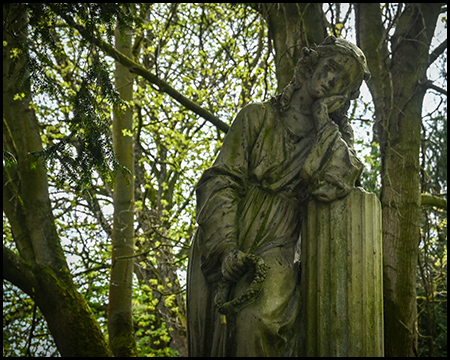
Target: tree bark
(292, 26)
(39, 268)
(398, 100)
(120, 316)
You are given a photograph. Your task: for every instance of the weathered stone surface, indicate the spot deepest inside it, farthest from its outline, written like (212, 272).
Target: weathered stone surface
(277, 156)
(342, 277)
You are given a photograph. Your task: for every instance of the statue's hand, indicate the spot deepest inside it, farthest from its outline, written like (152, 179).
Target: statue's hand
(325, 106)
(233, 266)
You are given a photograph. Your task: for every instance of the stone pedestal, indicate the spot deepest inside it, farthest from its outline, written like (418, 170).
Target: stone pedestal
(342, 287)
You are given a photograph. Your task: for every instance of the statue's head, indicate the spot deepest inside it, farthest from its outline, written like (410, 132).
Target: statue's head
(348, 58)
(332, 45)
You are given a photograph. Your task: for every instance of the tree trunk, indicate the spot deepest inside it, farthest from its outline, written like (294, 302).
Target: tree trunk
(120, 316)
(69, 318)
(40, 268)
(398, 104)
(292, 26)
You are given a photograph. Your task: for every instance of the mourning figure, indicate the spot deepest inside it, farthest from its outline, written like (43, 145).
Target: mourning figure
(243, 279)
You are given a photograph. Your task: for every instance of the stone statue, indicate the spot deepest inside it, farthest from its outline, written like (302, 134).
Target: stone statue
(243, 277)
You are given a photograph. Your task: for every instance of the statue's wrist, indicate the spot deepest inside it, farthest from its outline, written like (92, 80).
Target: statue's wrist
(226, 253)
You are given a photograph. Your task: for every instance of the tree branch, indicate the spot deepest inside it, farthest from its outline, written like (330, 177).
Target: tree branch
(437, 52)
(437, 88)
(428, 84)
(14, 210)
(433, 200)
(18, 272)
(153, 79)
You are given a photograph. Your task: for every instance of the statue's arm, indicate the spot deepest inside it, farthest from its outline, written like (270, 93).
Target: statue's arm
(220, 191)
(332, 167)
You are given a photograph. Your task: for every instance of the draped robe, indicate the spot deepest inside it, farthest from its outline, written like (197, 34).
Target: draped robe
(251, 199)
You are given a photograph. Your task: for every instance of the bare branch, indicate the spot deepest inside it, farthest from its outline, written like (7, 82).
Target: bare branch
(428, 84)
(437, 52)
(138, 69)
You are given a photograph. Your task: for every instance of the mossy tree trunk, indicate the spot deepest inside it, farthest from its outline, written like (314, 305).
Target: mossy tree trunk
(120, 317)
(398, 96)
(39, 268)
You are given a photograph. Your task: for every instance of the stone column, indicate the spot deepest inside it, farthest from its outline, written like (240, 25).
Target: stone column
(342, 286)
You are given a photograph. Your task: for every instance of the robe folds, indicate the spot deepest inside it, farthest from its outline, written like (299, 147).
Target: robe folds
(251, 199)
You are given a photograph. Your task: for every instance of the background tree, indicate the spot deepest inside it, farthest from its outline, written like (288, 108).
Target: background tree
(120, 313)
(292, 26)
(39, 267)
(398, 90)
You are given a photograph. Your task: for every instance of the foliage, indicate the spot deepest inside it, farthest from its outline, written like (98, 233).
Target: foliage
(153, 334)
(84, 85)
(221, 67)
(432, 262)
(25, 332)
(432, 285)
(217, 55)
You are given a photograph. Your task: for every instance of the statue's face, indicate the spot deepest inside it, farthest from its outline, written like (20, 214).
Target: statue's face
(335, 75)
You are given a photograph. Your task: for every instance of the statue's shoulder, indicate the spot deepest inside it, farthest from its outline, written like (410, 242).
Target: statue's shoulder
(256, 114)
(258, 108)
(253, 118)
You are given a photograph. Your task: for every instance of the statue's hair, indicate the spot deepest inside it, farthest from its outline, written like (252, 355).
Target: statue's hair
(308, 62)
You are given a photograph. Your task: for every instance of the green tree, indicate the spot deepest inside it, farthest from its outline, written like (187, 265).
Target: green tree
(432, 269)
(398, 96)
(39, 266)
(173, 145)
